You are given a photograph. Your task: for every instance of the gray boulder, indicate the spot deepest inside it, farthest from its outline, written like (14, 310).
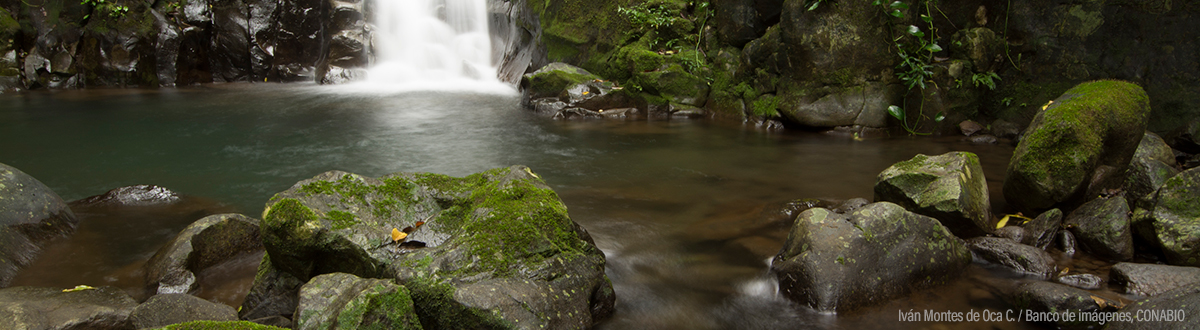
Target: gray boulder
(1093, 125)
(1152, 279)
(273, 295)
(205, 243)
(100, 308)
(1041, 230)
(1102, 227)
(165, 309)
(1082, 281)
(493, 249)
(840, 262)
(344, 301)
(1021, 258)
(30, 215)
(1171, 310)
(1152, 164)
(1177, 218)
(1048, 298)
(948, 187)
(350, 43)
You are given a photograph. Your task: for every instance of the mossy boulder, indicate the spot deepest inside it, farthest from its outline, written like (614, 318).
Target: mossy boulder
(1174, 308)
(203, 244)
(1152, 164)
(1020, 258)
(675, 84)
(1102, 226)
(1093, 125)
(274, 294)
(949, 187)
(553, 80)
(838, 262)
(30, 215)
(166, 309)
(1177, 218)
(344, 301)
(25, 307)
(493, 249)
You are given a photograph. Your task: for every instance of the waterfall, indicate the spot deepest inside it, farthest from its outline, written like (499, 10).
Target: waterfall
(433, 45)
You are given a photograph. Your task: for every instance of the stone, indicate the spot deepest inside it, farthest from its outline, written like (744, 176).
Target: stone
(273, 294)
(519, 31)
(350, 48)
(1102, 227)
(970, 127)
(1041, 230)
(737, 22)
(1171, 310)
(1082, 281)
(205, 243)
(26, 307)
(1177, 218)
(138, 195)
(1045, 298)
(948, 187)
(980, 45)
(841, 262)
(30, 216)
(487, 250)
(166, 309)
(344, 301)
(1020, 258)
(211, 325)
(1151, 279)
(1152, 164)
(1005, 129)
(1094, 124)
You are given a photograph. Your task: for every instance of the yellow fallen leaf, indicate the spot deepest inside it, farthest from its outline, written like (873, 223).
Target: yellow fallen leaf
(79, 288)
(1003, 221)
(1047, 104)
(397, 235)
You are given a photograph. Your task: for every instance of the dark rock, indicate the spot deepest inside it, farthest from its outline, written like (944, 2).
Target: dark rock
(139, 195)
(516, 35)
(210, 325)
(165, 309)
(1177, 218)
(1021, 258)
(970, 127)
(273, 294)
(1041, 230)
(564, 91)
(840, 262)
(737, 22)
(260, 25)
(49, 44)
(948, 187)
(1152, 164)
(26, 307)
(1094, 124)
(1046, 298)
(864, 105)
(1188, 139)
(1005, 129)
(344, 301)
(1015, 233)
(204, 243)
(350, 48)
(982, 139)
(1171, 310)
(30, 215)
(1102, 227)
(491, 244)
(1152, 279)
(1066, 243)
(229, 55)
(299, 39)
(275, 321)
(1082, 281)
(980, 45)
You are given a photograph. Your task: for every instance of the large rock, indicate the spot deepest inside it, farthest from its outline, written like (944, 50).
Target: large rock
(1041, 230)
(1093, 125)
(1152, 279)
(516, 35)
(165, 309)
(948, 187)
(1102, 227)
(1152, 164)
(344, 301)
(1171, 310)
(274, 294)
(1021, 258)
(119, 50)
(205, 243)
(210, 325)
(136, 195)
(493, 249)
(840, 262)
(102, 308)
(30, 215)
(350, 45)
(1177, 218)
(1050, 302)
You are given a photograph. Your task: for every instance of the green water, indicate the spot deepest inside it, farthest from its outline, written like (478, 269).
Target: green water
(637, 186)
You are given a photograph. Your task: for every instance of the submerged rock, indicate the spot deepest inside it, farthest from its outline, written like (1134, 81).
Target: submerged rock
(344, 301)
(948, 187)
(1102, 227)
(138, 195)
(30, 215)
(166, 309)
(493, 249)
(1021, 258)
(26, 307)
(1152, 279)
(205, 243)
(1092, 125)
(840, 262)
(1177, 218)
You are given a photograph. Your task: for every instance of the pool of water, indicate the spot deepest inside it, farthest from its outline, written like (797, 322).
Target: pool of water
(639, 187)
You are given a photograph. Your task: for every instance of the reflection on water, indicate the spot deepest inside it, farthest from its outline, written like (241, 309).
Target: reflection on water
(638, 187)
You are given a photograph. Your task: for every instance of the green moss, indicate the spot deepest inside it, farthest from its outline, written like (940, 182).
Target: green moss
(288, 212)
(766, 106)
(341, 220)
(378, 308)
(433, 300)
(220, 325)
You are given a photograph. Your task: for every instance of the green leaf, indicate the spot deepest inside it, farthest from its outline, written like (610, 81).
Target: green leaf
(934, 48)
(877, 2)
(916, 31)
(899, 5)
(814, 5)
(926, 18)
(896, 112)
(896, 13)
(939, 117)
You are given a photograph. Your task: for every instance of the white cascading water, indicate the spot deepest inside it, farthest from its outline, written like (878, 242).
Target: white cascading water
(433, 45)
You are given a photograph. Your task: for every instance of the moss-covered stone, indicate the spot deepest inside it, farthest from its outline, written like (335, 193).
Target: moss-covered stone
(1177, 218)
(219, 325)
(1102, 227)
(1094, 124)
(948, 187)
(344, 301)
(554, 79)
(1152, 164)
(675, 84)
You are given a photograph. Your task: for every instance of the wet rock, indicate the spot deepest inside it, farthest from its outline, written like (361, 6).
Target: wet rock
(50, 45)
(1171, 310)
(1082, 281)
(30, 215)
(564, 91)
(207, 325)
(518, 30)
(1067, 243)
(1041, 230)
(26, 307)
(1048, 297)
(1177, 218)
(274, 294)
(1094, 124)
(980, 45)
(485, 250)
(840, 262)
(1152, 279)
(1005, 129)
(982, 139)
(119, 50)
(344, 301)
(275, 321)
(351, 43)
(676, 84)
(1015, 233)
(204, 243)
(948, 187)
(860, 105)
(1021, 258)
(970, 127)
(139, 195)
(165, 309)
(737, 22)
(229, 55)
(1152, 164)
(1102, 227)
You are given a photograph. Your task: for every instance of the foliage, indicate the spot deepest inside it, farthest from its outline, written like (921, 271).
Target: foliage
(645, 17)
(898, 113)
(916, 48)
(106, 6)
(986, 79)
(812, 5)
